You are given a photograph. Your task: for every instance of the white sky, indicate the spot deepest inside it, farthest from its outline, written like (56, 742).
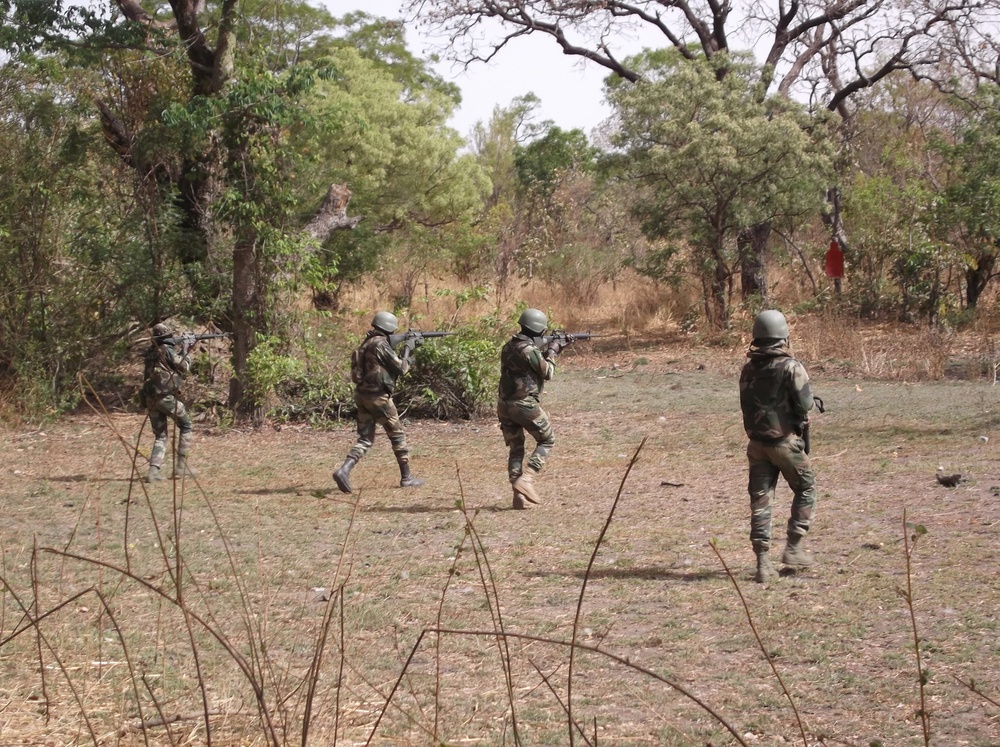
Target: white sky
(570, 88)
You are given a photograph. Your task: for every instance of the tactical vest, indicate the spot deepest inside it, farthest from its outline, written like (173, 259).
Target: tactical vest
(367, 371)
(159, 378)
(517, 379)
(767, 396)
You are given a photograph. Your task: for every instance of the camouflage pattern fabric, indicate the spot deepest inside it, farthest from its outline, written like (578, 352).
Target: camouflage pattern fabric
(523, 370)
(162, 410)
(776, 399)
(767, 461)
(523, 373)
(163, 370)
(375, 366)
(774, 394)
(373, 411)
(516, 418)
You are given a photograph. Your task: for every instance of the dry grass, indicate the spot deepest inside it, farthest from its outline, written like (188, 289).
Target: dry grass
(273, 561)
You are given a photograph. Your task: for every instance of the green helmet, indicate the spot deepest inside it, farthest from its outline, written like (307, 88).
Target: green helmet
(533, 320)
(161, 330)
(386, 322)
(770, 325)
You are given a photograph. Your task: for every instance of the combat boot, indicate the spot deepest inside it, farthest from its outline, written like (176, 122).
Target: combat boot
(343, 474)
(155, 474)
(523, 485)
(794, 555)
(765, 568)
(406, 480)
(518, 504)
(181, 468)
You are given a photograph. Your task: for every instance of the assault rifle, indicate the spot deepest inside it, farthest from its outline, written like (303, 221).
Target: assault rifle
(188, 339)
(805, 426)
(414, 337)
(563, 338)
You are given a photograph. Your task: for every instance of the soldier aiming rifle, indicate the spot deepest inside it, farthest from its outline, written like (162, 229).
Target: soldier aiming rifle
(165, 364)
(375, 367)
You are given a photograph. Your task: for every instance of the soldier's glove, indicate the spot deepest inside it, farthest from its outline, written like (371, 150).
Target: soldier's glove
(553, 348)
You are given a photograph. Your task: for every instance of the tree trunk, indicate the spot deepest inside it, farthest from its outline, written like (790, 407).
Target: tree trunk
(977, 277)
(752, 243)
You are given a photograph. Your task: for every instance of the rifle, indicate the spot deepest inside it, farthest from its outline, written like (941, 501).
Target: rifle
(187, 340)
(805, 426)
(563, 338)
(414, 337)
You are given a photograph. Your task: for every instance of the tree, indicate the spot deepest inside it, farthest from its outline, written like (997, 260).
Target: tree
(971, 204)
(821, 52)
(211, 137)
(713, 158)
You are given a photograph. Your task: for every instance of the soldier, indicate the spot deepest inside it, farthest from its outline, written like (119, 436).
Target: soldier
(524, 369)
(776, 400)
(374, 370)
(163, 370)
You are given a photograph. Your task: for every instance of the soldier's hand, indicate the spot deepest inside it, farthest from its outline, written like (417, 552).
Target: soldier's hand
(418, 341)
(553, 348)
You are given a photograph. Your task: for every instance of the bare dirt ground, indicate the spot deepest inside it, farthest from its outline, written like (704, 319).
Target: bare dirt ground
(268, 547)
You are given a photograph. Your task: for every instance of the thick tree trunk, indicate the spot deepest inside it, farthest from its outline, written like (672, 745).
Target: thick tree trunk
(752, 244)
(249, 314)
(978, 277)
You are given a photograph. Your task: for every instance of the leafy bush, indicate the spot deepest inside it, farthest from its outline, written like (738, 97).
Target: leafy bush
(454, 377)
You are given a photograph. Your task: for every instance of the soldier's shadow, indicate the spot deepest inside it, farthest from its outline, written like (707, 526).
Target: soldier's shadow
(88, 478)
(646, 573)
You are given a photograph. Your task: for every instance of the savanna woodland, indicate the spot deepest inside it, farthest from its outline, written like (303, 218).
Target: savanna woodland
(274, 173)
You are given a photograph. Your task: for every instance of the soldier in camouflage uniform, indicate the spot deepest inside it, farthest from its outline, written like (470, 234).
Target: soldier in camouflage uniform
(775, 399)
(374, 370)
(524, 369)
(163, 370)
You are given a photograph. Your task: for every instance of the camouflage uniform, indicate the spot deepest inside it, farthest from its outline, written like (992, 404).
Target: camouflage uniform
(775, 398)
(523, 373)
(374, 369)
(163, 370)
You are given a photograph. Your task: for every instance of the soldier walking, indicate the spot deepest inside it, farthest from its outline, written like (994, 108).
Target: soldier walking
(524, 369)
(374, 370)
(164, 367)
(776, 399)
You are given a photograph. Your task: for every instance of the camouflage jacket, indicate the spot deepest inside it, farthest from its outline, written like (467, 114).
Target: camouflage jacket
(163, 370)
(523, 369)
(375, 366)
(774, 394)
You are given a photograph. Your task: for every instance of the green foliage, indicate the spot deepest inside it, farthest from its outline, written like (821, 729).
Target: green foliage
(454, 377)
(267, 366)
(709, 155)
(540, 162)
(402, 163)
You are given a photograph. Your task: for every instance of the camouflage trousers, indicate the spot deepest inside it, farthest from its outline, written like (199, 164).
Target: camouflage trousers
(373, 411)
(767, 461)
(162, 410)
(516, 418)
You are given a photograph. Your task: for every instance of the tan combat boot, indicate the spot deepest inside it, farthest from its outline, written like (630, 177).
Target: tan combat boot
(181, 468)
(523, 485)
(765, 568)
(155, 474)
(794, 555)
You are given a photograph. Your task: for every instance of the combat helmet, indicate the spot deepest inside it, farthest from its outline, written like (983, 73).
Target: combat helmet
(770, 325)
(161, 330)
(533, 320)
(385, 321)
